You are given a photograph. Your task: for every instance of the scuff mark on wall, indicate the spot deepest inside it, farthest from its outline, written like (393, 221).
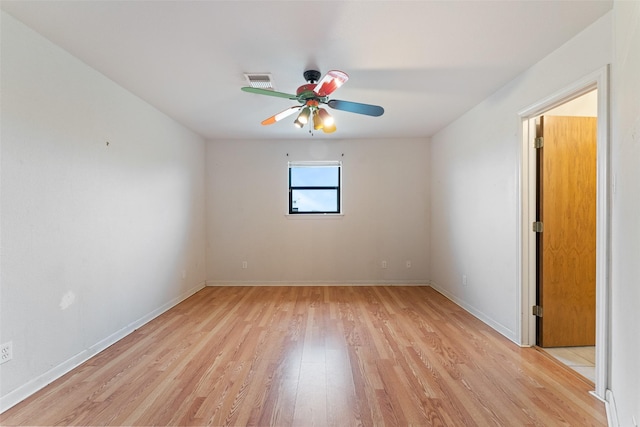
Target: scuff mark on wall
(67, 300)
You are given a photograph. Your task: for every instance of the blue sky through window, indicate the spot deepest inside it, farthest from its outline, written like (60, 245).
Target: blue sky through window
(314, 176)
(315, 200)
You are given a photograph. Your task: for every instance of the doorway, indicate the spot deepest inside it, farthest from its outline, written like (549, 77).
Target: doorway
(566, 233)
(594, 85)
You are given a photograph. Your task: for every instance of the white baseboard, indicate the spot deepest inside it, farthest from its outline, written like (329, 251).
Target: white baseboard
(18, 395)
(610, 406)
(508, 333)
(318, 283)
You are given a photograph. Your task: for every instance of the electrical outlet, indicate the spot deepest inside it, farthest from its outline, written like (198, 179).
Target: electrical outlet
(244, 264)
(464, 280)
(408, 264)
(383, 264)
(6, 352)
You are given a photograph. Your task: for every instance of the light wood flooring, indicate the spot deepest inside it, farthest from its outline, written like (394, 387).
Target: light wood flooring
(580, 359)
(323, 356)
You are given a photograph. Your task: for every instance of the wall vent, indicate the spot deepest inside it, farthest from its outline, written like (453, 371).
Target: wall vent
(259, 80)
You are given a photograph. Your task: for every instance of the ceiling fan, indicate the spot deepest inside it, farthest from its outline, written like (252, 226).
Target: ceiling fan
(311, 96)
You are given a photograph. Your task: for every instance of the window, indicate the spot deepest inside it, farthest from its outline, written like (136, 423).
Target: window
(314, 187)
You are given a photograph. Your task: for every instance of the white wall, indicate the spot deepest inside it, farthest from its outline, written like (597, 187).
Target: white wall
(474, 184)
(583, 106)
(386, 213)
(95, 237)
(625, 159)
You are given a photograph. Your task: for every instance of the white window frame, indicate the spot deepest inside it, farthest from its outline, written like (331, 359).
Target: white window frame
(317, 163)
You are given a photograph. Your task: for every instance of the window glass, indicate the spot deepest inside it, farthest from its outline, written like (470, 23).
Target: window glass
(314, 200)
(315, 176)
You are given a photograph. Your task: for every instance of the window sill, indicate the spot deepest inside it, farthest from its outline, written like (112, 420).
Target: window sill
(314, 216)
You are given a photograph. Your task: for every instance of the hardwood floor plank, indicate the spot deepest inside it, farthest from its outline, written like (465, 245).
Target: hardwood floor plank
(315, 355)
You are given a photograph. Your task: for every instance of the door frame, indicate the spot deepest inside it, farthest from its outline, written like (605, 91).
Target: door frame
(527, 203)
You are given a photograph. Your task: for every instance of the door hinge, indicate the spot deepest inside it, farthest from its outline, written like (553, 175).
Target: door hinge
(537, 227)
(538, 142)
(536, 311)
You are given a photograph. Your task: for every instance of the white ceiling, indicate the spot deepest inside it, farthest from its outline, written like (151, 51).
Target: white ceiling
(425, 62)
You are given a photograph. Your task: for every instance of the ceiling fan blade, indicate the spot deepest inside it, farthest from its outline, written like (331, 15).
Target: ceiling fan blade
(260, 91)
(281, 115)
(356, 107)
(330, 82)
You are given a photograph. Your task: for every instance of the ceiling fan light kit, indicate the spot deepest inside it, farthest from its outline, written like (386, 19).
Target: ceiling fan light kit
(310, 96)
(303, 117)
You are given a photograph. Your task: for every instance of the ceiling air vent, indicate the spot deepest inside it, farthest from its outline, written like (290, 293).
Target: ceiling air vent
(261, 81)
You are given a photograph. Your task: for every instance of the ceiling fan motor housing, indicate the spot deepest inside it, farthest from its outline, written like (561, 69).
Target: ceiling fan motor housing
(312, 76)
(306, 88)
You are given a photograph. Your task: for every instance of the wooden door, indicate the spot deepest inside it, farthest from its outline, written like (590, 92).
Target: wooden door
(567, 245)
